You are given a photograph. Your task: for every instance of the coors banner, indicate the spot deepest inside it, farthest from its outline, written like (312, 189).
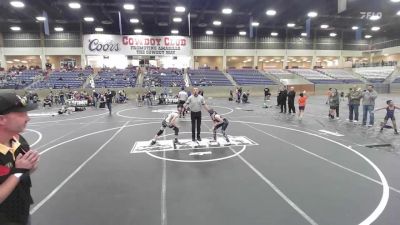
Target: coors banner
(103, 44)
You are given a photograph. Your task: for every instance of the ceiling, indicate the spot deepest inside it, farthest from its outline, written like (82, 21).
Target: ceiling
(155, 16)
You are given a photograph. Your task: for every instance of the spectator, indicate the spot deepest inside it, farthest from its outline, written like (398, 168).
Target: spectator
(17, 161)
(354, 103)
(368, 100)
(291, 97)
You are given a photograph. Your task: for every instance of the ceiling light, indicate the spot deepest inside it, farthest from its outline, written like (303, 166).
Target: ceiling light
(375, 28)
(217, 23)
(333, 34)
(180, 9)
(270, 12)
(304, 34)
(9, 61)
(227, 11)
(177, 19)
(395, 1)
(16, 60)
(291, 25)
(59, 29)
(386, 54)
(398, 13)
(255, 24)
(242, 33)
(368, 36)
(88, 19)
(17, 4)
(23, 61)
(354, 28)
(324, 26)
(134, 20)
(74, 5)
(99, 29)
(274, 34)
(128, 6)
(174, 31)
(14, 28)
(312, 14)
(137, 31)
(374, 17)
(209, 32)
(40, 18)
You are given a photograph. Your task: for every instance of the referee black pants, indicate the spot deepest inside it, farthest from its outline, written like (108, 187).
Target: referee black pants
(195, 118)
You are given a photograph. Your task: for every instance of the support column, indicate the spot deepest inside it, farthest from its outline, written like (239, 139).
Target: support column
(224, 62)
(83, 61)
(3, 62)
(255, 61)
(314, 60)
(3, 59)
(341, 60)
(285, 59)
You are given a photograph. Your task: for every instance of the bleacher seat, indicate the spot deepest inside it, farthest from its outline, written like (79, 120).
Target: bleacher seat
(375, 74)
(340, 74)
(249, 77)
(115, 79)
(214, 77)
(20, 80)
(63, 79)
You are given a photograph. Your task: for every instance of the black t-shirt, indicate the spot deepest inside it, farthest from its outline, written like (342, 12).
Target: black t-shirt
(291, 95)
(266, 92)
(15, 208)
(109, 96)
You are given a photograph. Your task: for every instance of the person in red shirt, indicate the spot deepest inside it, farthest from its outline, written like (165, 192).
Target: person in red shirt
(302, 104)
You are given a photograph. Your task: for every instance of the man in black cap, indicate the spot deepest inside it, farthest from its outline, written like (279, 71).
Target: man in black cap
(17, 161)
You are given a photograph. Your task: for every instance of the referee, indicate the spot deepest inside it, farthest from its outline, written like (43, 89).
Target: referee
(195, 102)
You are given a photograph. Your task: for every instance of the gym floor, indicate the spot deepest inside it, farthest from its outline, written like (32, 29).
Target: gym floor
(314, 171)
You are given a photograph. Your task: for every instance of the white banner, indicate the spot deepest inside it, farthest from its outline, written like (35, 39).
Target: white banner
(103, 44)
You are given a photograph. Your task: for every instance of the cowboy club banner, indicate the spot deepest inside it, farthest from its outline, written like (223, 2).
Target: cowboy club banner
(102, 44)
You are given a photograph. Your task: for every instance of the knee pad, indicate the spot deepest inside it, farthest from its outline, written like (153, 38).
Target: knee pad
(160, 132)
(176, 130)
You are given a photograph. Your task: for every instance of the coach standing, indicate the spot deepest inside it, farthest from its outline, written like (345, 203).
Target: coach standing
(291, 96)
(195, 102)
(17, 161)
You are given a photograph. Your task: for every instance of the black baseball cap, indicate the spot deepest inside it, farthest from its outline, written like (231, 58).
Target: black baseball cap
(11, 102)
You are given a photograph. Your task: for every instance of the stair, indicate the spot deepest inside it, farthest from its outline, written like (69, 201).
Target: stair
(392, 77)
(230, 78)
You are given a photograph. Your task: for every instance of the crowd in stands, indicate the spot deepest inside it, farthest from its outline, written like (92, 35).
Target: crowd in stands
(375, 64)
(159, 77)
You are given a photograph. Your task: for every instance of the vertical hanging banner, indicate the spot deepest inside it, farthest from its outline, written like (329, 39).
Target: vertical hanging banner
(120, 23)
(189, 23)
(46, 24)
(308, 27)
(251, 27)
(342, 6)
(358, 34)
(103, 44)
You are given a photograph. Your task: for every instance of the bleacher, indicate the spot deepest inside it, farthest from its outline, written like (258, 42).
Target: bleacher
(170, 77)
(397, 80)
(249, 77)
(315, 76)
(63, 79)
(375, 74)
(341, 75)
(208, 77)
(115, 79)
(20, 80)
